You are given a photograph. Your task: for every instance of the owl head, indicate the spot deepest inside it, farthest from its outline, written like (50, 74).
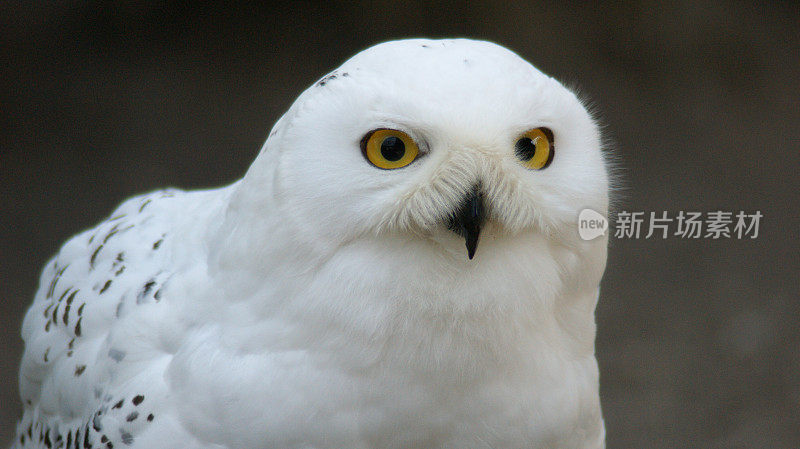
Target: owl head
(457, 148)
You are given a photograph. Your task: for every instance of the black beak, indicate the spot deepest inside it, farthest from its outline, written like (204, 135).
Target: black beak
(467, 220)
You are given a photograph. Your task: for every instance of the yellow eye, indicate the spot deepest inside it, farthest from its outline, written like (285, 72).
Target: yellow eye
(389, 149)
(535, 148)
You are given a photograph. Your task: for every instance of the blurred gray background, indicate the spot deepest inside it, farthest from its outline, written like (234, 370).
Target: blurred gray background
(698, 342)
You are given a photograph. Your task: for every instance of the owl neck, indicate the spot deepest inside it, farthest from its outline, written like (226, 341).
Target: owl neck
(408, 308)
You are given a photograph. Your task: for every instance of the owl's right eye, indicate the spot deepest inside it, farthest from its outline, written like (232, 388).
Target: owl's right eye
(389, 148)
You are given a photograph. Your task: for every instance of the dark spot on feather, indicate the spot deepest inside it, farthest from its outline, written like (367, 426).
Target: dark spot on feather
(325, 80)
(145, 205)
(47, 310)
(157, 295)
(55, 314)
(425, 46)
(126, 438)
(345, 74)
(66, 314)
(103, 439)
(119, 404)
(86, 443)
(157, 244)
(132, 416)
(121, 257)
(47, 441)
(47, 326)
(118, 272)
(80, 309)
(109, 445)
(30, 429)
(94, 256)
(150, 417)
(46, 351)
(78, 327)
(116, 217)
(79, 370)
(71, 297)
(64, 294)
(71, 342)
(53, 283)
(105, 287)
(69, 438)
(145, 290)
(69, 353)
(138, 399)
(110, 233)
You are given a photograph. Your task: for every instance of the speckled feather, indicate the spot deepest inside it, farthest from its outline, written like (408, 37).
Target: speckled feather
(84, 381)
(321, 302)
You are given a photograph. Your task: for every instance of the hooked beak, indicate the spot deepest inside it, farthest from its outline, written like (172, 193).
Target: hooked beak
(467, 220)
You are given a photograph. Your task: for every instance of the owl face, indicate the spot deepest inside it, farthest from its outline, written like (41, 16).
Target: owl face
(454, 142)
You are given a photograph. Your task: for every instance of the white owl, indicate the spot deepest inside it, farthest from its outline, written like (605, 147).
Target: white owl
(327, 299)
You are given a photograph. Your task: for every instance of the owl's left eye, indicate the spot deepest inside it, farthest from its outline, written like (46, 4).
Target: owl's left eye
(535, 148)
(389, 148)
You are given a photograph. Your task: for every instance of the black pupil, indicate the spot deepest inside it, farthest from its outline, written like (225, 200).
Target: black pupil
(525, 149)
(392, 149)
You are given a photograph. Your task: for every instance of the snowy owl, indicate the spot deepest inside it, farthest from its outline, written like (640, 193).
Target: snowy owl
(399, 267)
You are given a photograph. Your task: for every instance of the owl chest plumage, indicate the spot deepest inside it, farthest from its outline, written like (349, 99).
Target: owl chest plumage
(366, 349)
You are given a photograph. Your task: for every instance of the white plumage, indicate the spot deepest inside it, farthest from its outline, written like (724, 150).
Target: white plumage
(323, 302)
